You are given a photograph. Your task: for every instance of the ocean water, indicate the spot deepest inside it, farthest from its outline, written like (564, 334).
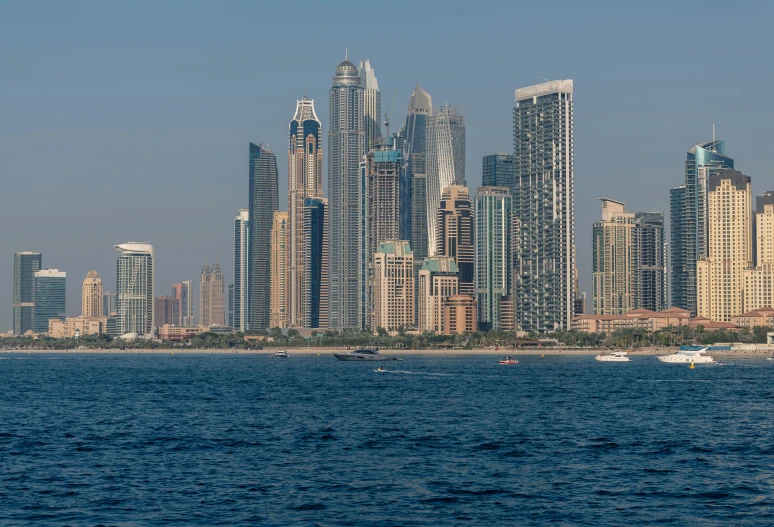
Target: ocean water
(239, 439)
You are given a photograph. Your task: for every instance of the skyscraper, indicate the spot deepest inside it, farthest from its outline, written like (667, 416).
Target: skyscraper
(497, 171)
(650, 273)
(186, 304)
(613, 265)
(211, 305)
(393, 286)
(135, 270)
(305, 172)
(241, 264)
(314, 296)
(279, 271)
(50, 297)
(109, 304)
(264, 201)
(91, 296)
(759, 281)
(454, 237)
(346, 140)
(372, 105)
(720, 274)
(544, 205)
(25, 265)
(230, 320)
(689, 219)
(164, 310)
(445, 161)
(415, 156)
(438, 281)
(494, 261)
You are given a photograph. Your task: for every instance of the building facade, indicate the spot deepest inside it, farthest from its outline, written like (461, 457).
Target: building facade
(459, 314)
(164, 310)
(438, 281)
(720, 274)
(393, 286)
(109, 304)
(135, 270)
(346, 142)
(264, 201)
(497, 171)
(650, 262)
(493, 253)
(278, 267)
(415, 156)
(212, 311)
(445, 161)
(689, 220)
(91, 296)
(239, 304)
(50, 297)
(613, 269)
(372, 105)
(314, 295)
(25, 265)
(454, 236)
(759, 280)
(543, 164)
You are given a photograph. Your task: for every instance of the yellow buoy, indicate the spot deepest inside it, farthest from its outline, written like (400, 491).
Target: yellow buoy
(692, 366)
(543, 355)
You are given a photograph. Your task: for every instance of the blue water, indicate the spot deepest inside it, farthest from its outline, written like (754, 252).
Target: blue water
(244, 439)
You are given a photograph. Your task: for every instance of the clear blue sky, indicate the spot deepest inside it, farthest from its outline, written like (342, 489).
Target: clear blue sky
(131, 121)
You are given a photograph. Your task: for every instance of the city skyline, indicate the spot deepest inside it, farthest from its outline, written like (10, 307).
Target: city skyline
(679, 119)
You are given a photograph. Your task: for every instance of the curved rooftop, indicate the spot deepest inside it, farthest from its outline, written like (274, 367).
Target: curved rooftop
(134, 247)
(92, 274)
(346, 75)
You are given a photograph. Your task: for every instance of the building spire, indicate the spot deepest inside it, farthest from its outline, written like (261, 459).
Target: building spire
(346, 52)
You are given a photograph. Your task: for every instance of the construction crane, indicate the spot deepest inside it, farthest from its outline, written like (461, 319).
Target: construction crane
(389, 114)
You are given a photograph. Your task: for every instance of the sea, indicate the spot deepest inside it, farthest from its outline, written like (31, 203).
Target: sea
(244, 439)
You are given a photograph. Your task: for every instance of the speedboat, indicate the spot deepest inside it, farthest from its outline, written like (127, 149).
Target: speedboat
(688, 356)
(281, 354)
(616, 356)
(507, 360)
(361, 354)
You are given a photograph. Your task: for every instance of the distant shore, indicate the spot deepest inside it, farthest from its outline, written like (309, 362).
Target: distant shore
(747, 354)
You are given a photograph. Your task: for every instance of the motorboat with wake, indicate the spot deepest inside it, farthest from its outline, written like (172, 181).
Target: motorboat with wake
(281, 354)
(616, 356)
(361, 355)
(688, 356)
(507, 360)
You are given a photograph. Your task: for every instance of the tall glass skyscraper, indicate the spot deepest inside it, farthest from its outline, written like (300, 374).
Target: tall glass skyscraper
(497, 171)
(135, 270)
(445, 161)
(346, 140)
(314, 296)
(50, 297)
(650, 261)
(494, 271)
(372, 105)
(264, 200)
(25, 265)
(689, 224)
(544, 205)
(239, 302)
(415, 156)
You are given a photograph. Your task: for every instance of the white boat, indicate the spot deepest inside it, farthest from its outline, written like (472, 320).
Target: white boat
(688, 357)
(282, 354)
(616, 356)
(360, 354)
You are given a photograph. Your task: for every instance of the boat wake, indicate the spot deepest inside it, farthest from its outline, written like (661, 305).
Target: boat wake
(406, 372)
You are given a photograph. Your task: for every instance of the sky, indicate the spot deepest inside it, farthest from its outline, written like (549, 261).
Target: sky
(131, 121)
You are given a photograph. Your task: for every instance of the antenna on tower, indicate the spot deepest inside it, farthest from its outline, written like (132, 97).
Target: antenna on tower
(388, 115)
(346, 52)
(713, 132)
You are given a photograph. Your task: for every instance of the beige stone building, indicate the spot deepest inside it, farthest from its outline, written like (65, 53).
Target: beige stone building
(91, 296)
(613, 263)
(211, 292)
(279, 271)
(76, 326)
(438, 280)
(634, 319)
(393, 286)
(454, 233)
(720, 276)
(759, 281)
(460, 315)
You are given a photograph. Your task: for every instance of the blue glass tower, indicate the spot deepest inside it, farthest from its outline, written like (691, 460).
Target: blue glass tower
(25, 265)
(50, 297)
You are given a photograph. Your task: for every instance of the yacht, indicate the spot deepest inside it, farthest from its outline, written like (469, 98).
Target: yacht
(688, 356)
(616, 356)
(507, 360)
(361, 354)
(281, 354)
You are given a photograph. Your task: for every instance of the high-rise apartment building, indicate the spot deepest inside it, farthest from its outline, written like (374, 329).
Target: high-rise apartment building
(759, 281)
(230, 320)
(182, 293)
(494, 259)
(238, 305)
(25, 265)
(415, 156)
(91, 296)
(305, 175)
(109, 304)
(445, 161)
(279, 270)
(650, 264)
(164, 311)
(438, 281)
(454, 236)
(393, 286)
(264, 201)
(720, 275)
(314, 295)
(211, 289)
(544, 205)
(372, 105)
(497, 171)
(135, 270)
(613, 269)
(459, 314)
(346, 143)
(690, 225)
(50, 297)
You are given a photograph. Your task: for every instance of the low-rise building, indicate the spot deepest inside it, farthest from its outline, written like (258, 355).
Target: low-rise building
(763, 317)
(636, 319)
